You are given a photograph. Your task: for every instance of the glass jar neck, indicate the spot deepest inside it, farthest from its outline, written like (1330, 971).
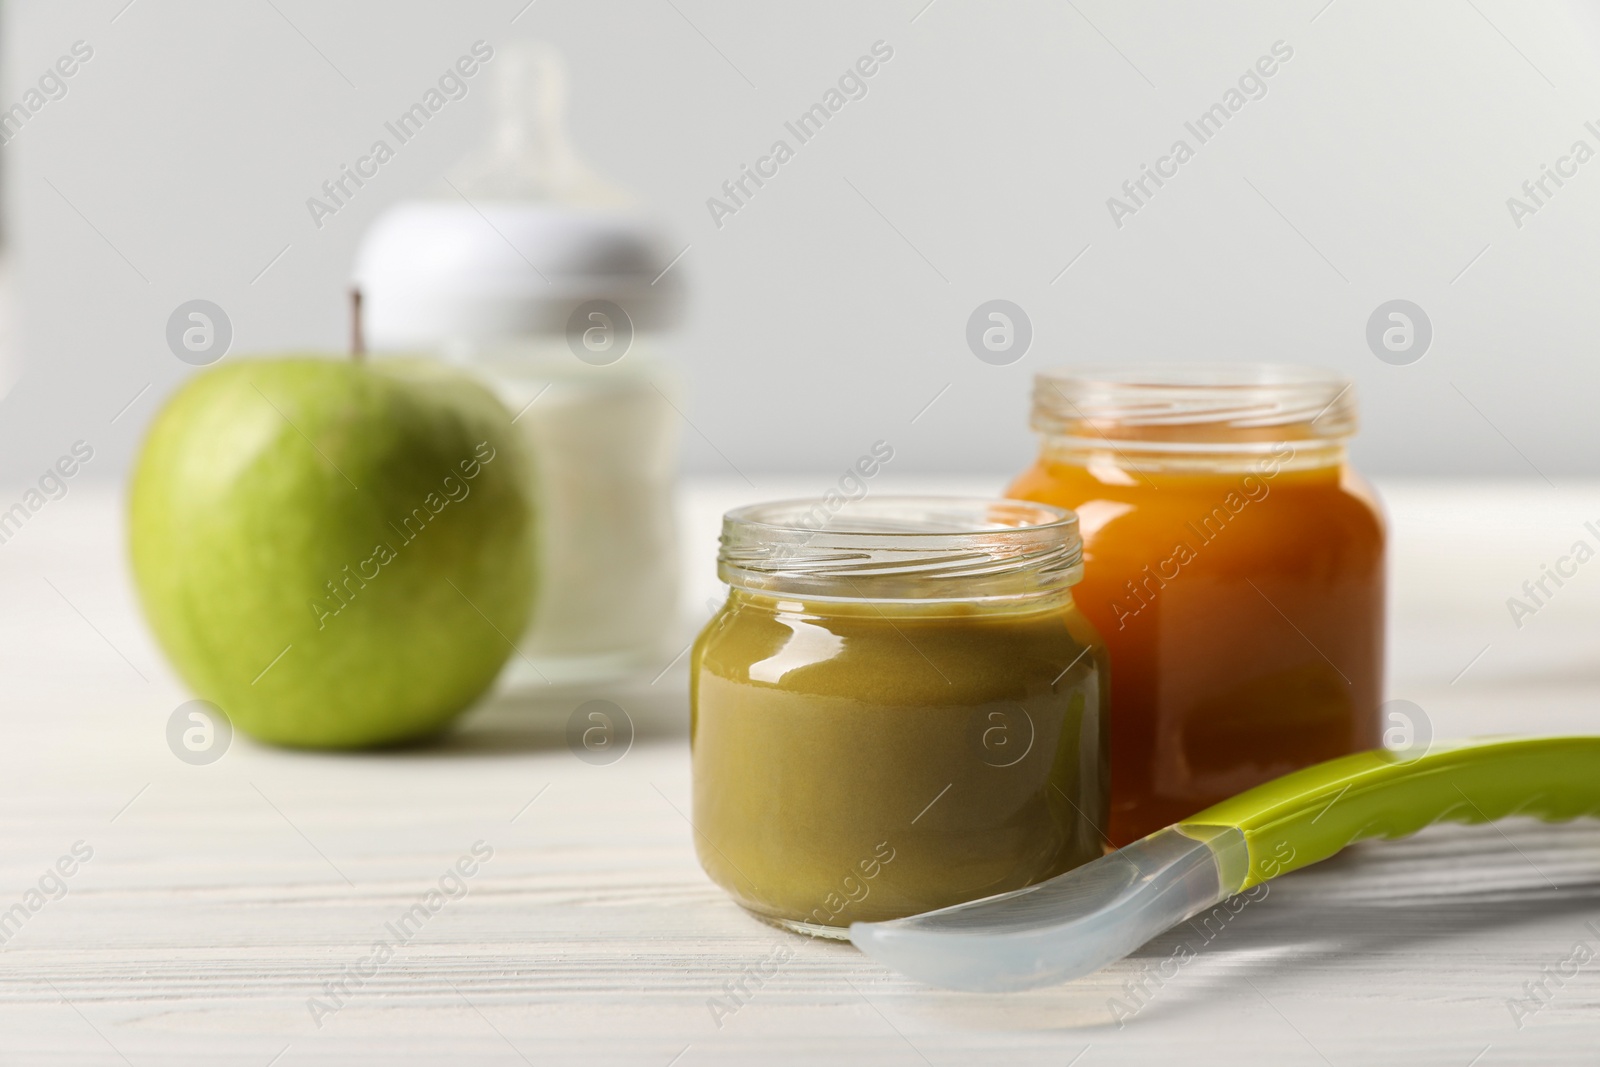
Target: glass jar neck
(1049, 600)
(1215, 458)
(1195, 416)
(883, 549)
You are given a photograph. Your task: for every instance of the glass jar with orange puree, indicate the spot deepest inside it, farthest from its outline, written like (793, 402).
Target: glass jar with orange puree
(1233, 564)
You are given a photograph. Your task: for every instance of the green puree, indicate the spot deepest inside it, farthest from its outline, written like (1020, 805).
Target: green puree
(863, 761)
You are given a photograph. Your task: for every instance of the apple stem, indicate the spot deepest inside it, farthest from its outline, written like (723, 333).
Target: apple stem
(358, 341)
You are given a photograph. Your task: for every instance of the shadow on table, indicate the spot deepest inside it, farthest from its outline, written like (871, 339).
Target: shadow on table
(636, 713)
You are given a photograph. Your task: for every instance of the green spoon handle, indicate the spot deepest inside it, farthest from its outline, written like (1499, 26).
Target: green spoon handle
(1304, 817)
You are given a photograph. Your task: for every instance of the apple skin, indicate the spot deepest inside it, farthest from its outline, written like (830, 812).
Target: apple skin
(245, 505)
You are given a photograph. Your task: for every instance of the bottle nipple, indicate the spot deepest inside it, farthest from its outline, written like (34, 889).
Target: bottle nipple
(529, 155)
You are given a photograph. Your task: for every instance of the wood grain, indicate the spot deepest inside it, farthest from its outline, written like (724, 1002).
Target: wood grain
(222, 898)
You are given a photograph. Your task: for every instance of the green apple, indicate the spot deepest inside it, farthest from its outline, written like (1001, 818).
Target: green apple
(337, 554)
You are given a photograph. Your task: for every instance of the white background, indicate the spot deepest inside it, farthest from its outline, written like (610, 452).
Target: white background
(832, 309)
(826, 315)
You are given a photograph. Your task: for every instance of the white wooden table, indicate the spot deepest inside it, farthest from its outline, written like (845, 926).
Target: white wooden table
(219, 899)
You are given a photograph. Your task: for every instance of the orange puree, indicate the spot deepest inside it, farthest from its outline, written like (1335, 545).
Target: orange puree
(1243, 612)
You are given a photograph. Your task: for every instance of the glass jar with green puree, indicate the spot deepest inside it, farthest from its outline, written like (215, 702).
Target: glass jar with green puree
(898, 708)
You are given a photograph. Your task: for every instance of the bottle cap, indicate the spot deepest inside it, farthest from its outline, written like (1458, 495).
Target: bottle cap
(521, 237)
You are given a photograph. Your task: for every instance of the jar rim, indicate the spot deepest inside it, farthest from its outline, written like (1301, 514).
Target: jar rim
(901, 547)
(1202, 405)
